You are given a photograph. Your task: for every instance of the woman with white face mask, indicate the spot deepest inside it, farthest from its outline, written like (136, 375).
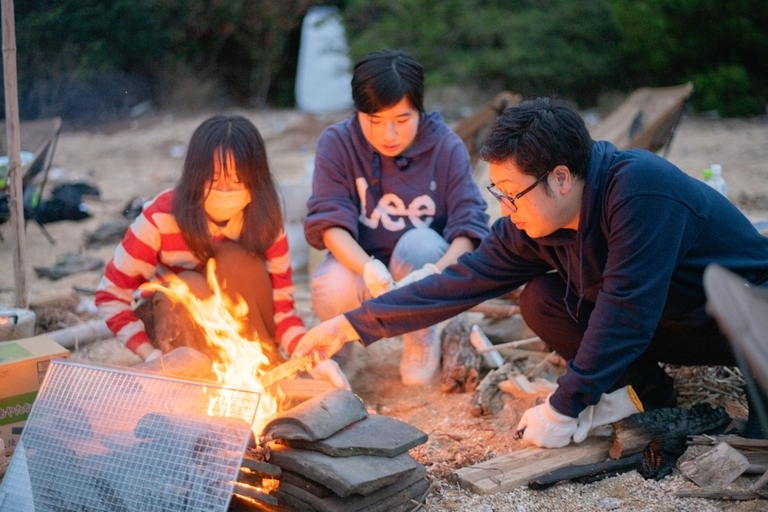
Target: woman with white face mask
(225, 206)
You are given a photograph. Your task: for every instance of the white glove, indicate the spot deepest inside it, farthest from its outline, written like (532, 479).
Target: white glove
(418, 275)
(377, 278)
(329, 370)
(543, 426)
(153, 355)
(612, 407)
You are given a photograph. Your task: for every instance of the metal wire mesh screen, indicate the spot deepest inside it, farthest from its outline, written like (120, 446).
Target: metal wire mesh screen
(105, 439)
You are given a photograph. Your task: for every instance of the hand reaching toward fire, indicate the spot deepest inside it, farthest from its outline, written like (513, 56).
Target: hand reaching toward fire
(325, 339)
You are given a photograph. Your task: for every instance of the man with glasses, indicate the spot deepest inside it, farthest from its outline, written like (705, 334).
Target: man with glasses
(611, 246)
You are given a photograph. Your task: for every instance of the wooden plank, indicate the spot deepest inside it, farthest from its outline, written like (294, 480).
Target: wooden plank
(516, 469)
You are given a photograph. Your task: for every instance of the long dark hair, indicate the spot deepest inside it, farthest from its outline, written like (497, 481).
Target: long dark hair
(262, 219)
(381, 79)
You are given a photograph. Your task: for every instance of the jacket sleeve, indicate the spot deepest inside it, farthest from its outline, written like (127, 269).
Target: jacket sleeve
(465, 205)
(134, 263)
(492, 270)
(334, 198)
(289, 327)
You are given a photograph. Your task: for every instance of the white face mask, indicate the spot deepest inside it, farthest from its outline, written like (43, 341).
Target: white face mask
(222, 205)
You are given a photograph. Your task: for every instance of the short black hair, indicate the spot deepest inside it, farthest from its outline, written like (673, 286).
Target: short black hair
(538, 135)
(381, 79)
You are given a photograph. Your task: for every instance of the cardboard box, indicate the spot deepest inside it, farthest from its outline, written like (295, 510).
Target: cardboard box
(23, 364)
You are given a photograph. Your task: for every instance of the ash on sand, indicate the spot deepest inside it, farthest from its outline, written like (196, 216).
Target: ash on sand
(137, 159)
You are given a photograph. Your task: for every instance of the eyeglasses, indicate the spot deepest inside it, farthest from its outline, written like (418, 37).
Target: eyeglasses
(508, 201)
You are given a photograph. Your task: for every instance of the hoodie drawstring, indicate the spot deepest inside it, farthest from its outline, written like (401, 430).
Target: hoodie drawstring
(581, 279)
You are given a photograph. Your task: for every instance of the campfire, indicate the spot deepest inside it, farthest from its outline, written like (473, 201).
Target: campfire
(101, 438)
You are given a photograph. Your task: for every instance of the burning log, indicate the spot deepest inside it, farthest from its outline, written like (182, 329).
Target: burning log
(632, 434)
(461, 364)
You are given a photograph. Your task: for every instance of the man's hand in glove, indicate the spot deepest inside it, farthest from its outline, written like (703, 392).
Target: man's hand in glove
(377, 278)
(329, 370)
(545, 427)
(612, 407)
(418, 274)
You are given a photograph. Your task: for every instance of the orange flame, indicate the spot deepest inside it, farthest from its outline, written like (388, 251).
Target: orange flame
(241, 362)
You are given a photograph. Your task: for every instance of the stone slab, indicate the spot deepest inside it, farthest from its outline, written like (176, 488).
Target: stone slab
(318, 417)
(379, 436)
(385, 499)
(360, 474)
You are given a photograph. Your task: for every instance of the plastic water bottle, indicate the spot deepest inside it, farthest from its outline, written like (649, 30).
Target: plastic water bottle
(714, 178)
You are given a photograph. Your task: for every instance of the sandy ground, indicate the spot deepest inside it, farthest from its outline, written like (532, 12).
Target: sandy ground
(139, 158)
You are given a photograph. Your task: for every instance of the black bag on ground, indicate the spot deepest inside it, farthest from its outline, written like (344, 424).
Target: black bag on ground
(66, 203)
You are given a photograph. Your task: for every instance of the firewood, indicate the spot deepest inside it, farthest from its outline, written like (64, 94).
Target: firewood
(633, 433)
(735, 441)
(725, 494)
(586, 472)
(461, 364)
(487, 398)
(716, 468)
(254, 493)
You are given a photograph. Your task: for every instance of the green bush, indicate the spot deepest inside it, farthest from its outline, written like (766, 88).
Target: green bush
(529, 47)
(727, 90)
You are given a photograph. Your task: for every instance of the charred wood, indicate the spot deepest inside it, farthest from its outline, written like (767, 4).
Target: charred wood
(461, 364)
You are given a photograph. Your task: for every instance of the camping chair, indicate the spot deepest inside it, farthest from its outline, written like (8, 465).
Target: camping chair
(647, 119)
(38, 137)
(474, 129)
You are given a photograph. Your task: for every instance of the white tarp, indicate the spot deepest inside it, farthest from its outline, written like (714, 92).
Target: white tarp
(324, 70)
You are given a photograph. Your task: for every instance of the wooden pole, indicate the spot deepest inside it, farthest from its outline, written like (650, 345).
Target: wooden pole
(16, 200)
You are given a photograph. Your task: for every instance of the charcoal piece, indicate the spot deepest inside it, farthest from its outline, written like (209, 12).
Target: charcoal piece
(660, 456)
(318, 417)
(380, 436)
(385, 499)
(360, 474)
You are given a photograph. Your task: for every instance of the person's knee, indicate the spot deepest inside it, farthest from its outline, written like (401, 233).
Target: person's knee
(335, 289)
(416, 248)
(535, 294)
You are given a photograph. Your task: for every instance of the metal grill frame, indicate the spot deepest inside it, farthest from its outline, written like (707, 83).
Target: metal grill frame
(108, 438)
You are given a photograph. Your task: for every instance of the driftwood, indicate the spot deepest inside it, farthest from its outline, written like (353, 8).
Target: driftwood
(633, 433)
(461, 364)
(716, 468)
(586, 473)
(725, 494)
(487, 398)
(519, 467)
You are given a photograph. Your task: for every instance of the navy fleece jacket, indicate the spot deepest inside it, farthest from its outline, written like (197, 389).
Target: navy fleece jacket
(378, 198)
(646, 233)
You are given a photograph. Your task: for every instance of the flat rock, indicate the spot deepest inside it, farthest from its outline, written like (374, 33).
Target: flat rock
(360, 474)
(380, 436)
(317, 418)
(385, 499)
